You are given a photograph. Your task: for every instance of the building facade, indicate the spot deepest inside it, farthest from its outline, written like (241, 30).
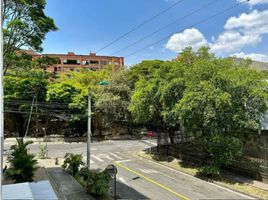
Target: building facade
(73, 62)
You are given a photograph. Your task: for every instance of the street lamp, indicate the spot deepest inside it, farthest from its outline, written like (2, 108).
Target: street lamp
(1, 98)
(44, 129)
(89, 133)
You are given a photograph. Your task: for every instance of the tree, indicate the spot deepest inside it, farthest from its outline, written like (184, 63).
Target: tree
(45, 61)
(112, 101)
(218, 101)
(25, 25)
(223, 102)
(22, 163)
(20, 87)
(72, 90)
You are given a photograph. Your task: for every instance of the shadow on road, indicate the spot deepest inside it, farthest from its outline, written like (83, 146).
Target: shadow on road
(125, 192)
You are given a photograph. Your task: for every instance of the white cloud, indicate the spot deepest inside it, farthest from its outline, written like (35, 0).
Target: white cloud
(231, 41)
(254, 22)
(189, 37)
(244, 30)
(253, 56)
(253, 2)
(247, 29)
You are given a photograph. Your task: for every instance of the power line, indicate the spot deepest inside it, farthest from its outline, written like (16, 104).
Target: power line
(164, 27)
(195, 24)
(140, 25)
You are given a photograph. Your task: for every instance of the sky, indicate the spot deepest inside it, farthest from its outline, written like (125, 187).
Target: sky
(88, 26)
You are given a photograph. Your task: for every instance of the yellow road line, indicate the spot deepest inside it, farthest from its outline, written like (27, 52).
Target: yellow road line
(152, 181)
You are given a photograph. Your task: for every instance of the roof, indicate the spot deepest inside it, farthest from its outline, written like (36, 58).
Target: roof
(29, 191)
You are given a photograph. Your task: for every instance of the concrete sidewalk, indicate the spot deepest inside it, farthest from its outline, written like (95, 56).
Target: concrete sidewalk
(66, 186)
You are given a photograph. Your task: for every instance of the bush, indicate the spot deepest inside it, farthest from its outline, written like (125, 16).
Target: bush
(72, 163)
(97, 183)
(22, 163)
(42, 151)
(220, 151)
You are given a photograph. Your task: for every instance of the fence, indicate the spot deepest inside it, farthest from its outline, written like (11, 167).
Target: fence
(253, 162)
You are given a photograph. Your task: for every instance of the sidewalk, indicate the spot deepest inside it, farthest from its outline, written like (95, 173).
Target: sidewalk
(245, 180)
(65, 186)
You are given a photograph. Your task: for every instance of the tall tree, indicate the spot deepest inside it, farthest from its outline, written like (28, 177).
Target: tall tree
(25, 25)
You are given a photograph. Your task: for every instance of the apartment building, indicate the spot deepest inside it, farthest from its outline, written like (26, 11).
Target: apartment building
(73, 62)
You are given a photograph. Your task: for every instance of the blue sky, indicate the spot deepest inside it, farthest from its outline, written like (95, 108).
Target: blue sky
(86, 26)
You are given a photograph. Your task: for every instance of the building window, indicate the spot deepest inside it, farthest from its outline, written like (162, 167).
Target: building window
(94, 62)
(71, 62)
(85, 62)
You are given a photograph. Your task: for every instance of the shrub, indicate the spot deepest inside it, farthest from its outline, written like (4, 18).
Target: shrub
(221, 150)
(22, 164)
(97, 183)
(72, 163)
(42, 151)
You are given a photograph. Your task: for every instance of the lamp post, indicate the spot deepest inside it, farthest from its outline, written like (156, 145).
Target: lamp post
(1, 98)
(44, 129)
(89, 132)
(89, 129)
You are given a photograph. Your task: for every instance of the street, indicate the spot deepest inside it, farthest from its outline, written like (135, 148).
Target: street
(140, 178)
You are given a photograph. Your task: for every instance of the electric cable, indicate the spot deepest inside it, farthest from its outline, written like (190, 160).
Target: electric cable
(139, 26)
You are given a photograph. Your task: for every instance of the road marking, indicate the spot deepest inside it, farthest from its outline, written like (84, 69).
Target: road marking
(97, 158)
(149, 142)
(85, 159)
(149, 171)
(102, 155)
(122, 180)
(122, 161)
(116, 156)
(224, 188)
(119, 153)
(152, 181)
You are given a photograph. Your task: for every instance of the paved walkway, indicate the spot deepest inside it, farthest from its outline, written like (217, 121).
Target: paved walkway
(66, 186)
(245, 180)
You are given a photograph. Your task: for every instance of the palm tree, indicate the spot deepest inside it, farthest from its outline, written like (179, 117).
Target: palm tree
(22, 164)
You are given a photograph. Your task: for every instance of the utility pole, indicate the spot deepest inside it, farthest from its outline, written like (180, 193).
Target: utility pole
(1, 98)
(89, 129)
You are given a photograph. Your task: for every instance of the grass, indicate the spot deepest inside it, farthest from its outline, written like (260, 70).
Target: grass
(192, 170)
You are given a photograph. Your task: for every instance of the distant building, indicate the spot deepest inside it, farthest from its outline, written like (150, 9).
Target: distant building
(73, 62)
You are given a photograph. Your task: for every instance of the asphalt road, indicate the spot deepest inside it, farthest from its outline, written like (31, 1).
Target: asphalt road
(139, 178)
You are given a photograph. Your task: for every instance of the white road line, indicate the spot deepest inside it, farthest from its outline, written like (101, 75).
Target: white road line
(123, 161)
(149, 171)
(85, 159)
(150, 142)
(102, 155)
(116, 156)
(119, 153)
(122, 180)
(97, 158)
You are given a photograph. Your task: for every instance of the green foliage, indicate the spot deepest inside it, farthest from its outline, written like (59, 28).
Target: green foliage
(97, 183)
(42, 151)
(218, 101)
(22, 86)
(25, 25)
(113, 99)
(22, 163)
(72, 163)
(25, 85)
